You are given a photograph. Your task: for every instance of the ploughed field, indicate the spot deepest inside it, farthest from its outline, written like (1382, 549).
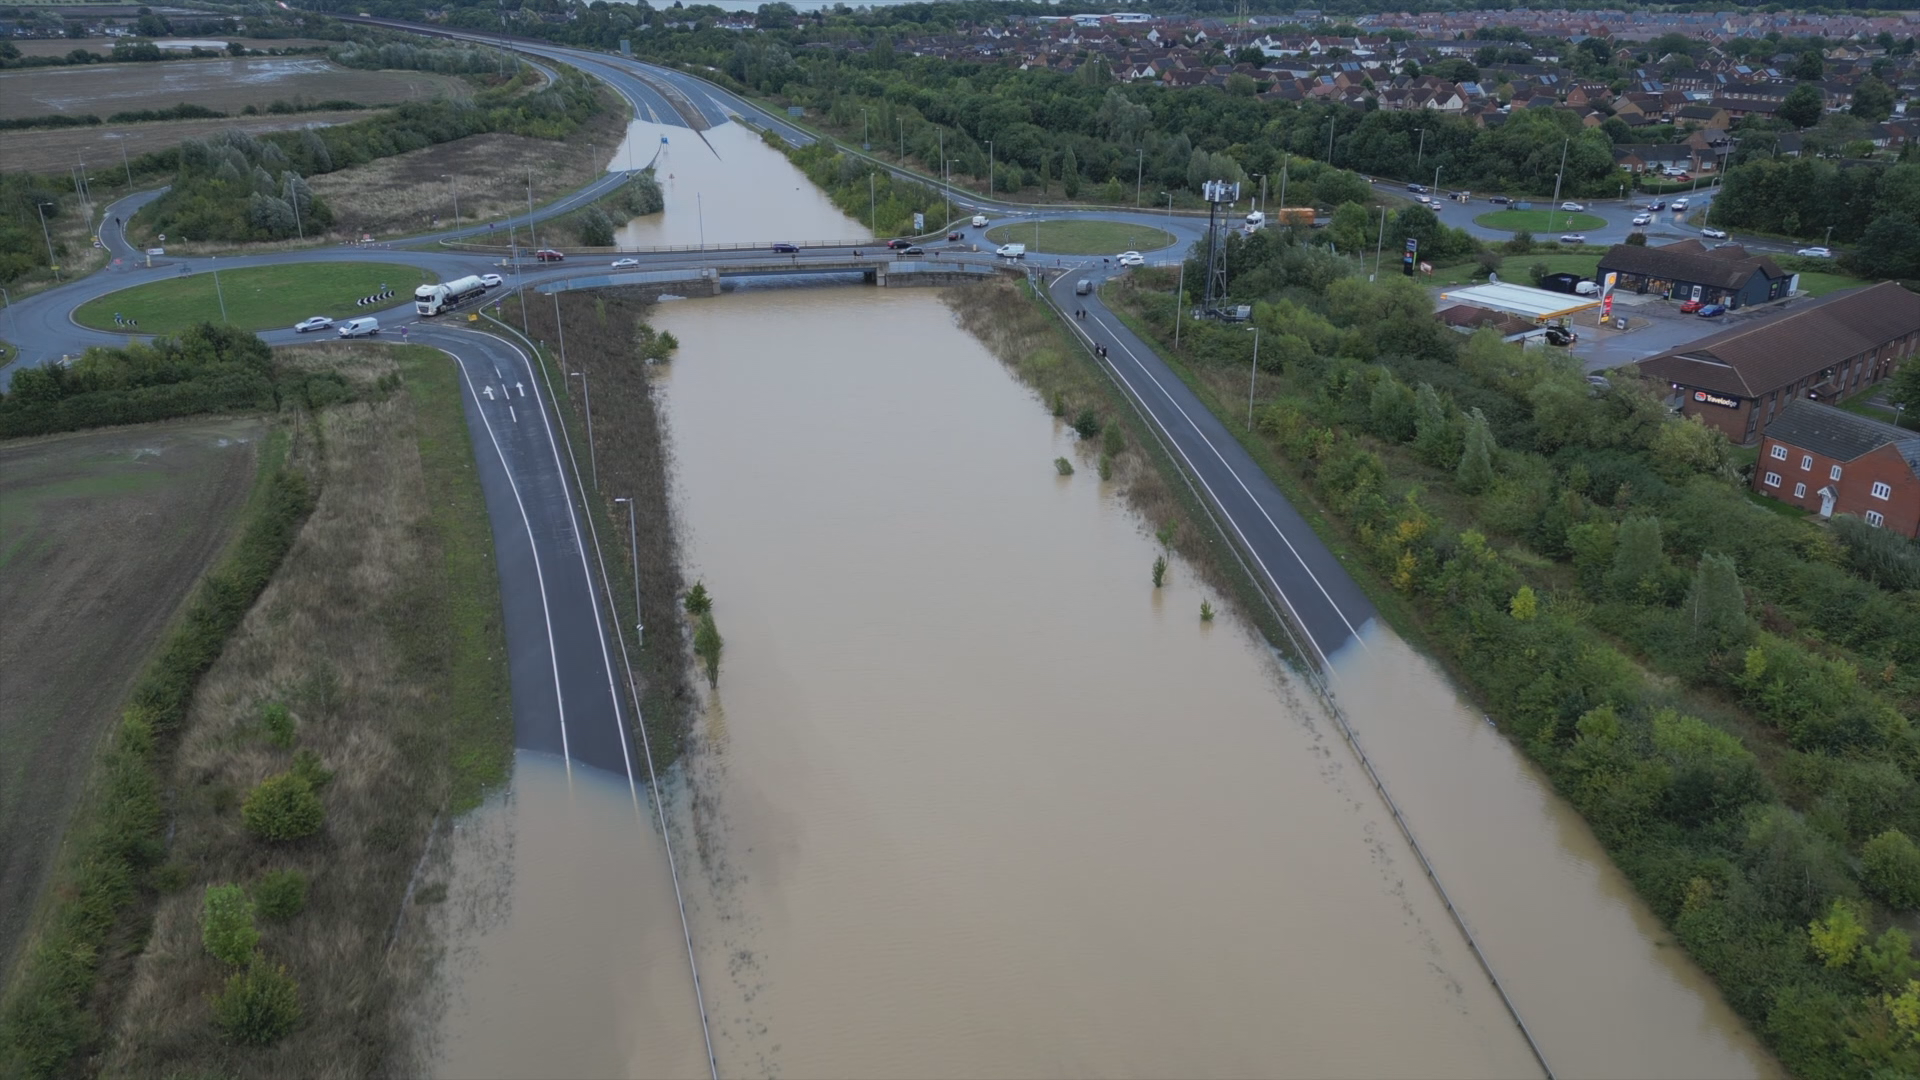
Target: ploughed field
(228, 85)
(102, 535)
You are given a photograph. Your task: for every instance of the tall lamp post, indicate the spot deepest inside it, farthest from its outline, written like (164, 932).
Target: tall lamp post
(41, 209)
(586, 399)
(989, 168)
(1421, 153)
(1253, 373)
(633, 545)
(455, 185)
(1139, 172)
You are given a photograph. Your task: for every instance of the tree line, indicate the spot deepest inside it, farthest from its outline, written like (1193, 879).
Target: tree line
(1726, 694)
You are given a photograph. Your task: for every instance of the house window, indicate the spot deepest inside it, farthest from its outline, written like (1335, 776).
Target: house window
(1833, 473)
(1799, 491)
(1773, 479)
(1881, 490)
(1779, 452)
(1874, 518)
(1806, 462)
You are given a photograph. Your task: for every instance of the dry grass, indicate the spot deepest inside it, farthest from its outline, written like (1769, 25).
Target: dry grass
(403, 194)
(87, 594)
(1028, 339)
(52, 151)
(228, 85)
(631, 448)
(352, 637)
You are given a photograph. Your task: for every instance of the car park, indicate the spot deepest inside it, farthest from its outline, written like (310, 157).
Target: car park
(1131, 258)
(619, 263)
(318, 322)
(1573, 238)
(786, 249)
(1712, 311)
(492, 281)
(1643, 219)
(1573, 206)
(1714, 234)
(1816, 252)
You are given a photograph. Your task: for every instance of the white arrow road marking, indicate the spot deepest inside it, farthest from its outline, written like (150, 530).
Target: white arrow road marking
(489, 391)
(522, 387)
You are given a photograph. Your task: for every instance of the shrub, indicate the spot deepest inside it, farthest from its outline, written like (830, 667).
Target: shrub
(226, 924)
(707, 645)
(1521, 243)
(279, 724)
(1063, 466)
(697, 601)
(1113, 440)
(280, 895)
(1086, 424)
(259, 1005)
(283, 807)
(1890, 866)
(1159, 570)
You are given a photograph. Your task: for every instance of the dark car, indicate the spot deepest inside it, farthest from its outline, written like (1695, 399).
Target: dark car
(1564, 283)
(549, 255)
(1561, 336)
(1499, 200)
(897, 244)
(786, 249)
(913, 249)
(956, 235)
(1713, 311)
(1417, 189)
(1657, 204)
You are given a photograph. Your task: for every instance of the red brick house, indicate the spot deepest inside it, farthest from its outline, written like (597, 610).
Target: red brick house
(1829, 461)
(1738, 379)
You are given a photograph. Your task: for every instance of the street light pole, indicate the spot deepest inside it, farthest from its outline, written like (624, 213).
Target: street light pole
(221, 296)
(586, 399)
(700, 215)
(455, 185)
(127, 164)
(865, 143)
(1421, 153)
(41, 209)
(633, 545)
(873, 208)
(1252, 374)
(989, 168)
(1139, 172)
(11, 317)
(1436, 179)
(1562, 175)
(1380, 244)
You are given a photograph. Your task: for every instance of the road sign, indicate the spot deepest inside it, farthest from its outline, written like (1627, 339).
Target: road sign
(919, 223)
(1411, 256)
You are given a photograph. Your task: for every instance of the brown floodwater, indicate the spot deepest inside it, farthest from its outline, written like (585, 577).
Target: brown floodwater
(730, 188)
(974, 799)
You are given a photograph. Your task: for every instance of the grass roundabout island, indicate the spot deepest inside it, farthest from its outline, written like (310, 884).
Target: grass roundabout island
(1540, 221)
(1080, 236)
(257, 297)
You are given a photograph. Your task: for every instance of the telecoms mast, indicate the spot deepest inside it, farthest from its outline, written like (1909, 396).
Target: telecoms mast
(1218, 193)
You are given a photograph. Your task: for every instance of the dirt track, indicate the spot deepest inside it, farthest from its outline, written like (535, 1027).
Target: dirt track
(102, 535)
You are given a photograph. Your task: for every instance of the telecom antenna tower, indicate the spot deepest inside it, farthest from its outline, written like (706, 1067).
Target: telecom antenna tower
(1218, 193)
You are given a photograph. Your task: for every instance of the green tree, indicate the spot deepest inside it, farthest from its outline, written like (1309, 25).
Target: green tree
(226, 924)
(280, 895)
(1070, 174)
(1890, 248)
(707, 645)
(1809, 66)
(1392, 410)
(283, 807)
(1904, 387)
(1525, 606)
(1436, 437)
(1838, 935)
(1872, 100)
(259, 1005)
(1348, 229)
(1638, 557)
(1475, 471)
(1890, 866)
(1803, 105)
(1717, 606)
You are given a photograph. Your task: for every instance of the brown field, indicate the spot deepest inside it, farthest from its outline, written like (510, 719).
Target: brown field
(228, 85)
(401, 194)
(102, 534)
(52, 151)
(104, 46)
(381, 633)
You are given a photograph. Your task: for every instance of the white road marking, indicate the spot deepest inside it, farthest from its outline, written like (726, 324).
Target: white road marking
(539, 576)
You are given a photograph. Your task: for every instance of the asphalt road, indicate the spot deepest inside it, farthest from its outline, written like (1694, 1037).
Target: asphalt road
(565, 680)
(1287, 554)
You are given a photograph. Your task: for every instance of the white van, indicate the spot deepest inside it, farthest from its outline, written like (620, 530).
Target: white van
(1012, 251)
(362, 327)
(979, 221)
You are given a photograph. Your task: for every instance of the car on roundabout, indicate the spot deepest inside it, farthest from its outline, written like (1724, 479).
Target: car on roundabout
(1573, 238)
(956, 235)
(492, 281)
(1657, 204)
(1499, 200)
(1643, 219)
(1572, 206)
(1130, 258)
(318, 322)
(1816, 252)
(622, 263)
(1712, 311)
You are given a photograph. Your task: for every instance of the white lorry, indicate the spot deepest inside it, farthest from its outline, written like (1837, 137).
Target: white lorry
(434, 299)
(366, 326)
(1012, 251)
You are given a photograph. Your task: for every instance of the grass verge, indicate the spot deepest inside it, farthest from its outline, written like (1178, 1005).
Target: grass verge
(255, 297)
(608, 338)
(1539, 221)
(1076, 237)
(379, 648)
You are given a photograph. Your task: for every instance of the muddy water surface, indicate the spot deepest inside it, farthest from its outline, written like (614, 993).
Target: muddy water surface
(728, 189)
(975, 798)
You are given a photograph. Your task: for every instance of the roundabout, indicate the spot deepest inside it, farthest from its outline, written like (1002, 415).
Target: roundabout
(251, 297)
(1540, 221)
(1080, 236)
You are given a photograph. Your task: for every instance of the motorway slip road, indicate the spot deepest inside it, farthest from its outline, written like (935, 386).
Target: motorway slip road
(1313, 587)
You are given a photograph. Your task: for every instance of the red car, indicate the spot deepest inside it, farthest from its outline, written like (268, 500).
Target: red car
(549, 255)
(1692, 306)
(956, 235)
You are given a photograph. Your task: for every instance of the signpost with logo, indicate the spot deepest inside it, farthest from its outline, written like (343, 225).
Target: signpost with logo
(1411, 256)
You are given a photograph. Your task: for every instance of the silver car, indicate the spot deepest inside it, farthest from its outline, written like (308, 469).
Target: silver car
(318, 322)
